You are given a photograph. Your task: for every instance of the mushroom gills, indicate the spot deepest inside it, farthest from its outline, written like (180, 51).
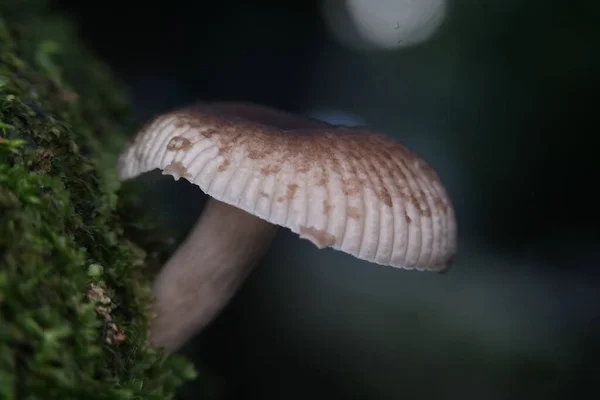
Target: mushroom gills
(206, 271)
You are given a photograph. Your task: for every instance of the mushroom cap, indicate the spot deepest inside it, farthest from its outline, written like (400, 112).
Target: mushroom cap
(351, 189)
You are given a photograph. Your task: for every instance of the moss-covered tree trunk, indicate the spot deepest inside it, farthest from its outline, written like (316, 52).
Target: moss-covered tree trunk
(73, 289)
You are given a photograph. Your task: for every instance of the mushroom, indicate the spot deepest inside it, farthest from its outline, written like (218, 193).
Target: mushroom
(350, 189)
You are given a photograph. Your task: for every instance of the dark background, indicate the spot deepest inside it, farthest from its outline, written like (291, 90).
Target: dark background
(502, 101)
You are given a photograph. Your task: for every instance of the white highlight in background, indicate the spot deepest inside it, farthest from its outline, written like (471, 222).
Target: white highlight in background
(383, 24)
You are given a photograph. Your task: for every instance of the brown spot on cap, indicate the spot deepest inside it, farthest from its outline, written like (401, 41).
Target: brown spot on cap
(270, 170)
(385, 197)
(291, 190)
(177, 170)
(319, 237)
(326, 207)
(225, 149)
(223, 166)
(255, 155)
(179, 143)
(353, 212)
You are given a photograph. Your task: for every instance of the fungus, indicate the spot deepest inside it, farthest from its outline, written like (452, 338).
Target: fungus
(350, 189)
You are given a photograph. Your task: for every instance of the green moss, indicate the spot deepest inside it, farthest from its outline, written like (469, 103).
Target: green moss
(60, 230)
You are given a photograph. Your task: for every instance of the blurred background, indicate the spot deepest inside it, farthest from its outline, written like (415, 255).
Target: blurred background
(501, 97)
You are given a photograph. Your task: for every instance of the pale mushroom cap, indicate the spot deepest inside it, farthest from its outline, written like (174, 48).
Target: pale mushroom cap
(350, 189)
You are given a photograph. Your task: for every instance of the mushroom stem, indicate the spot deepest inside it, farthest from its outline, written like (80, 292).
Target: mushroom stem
(206, 271)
